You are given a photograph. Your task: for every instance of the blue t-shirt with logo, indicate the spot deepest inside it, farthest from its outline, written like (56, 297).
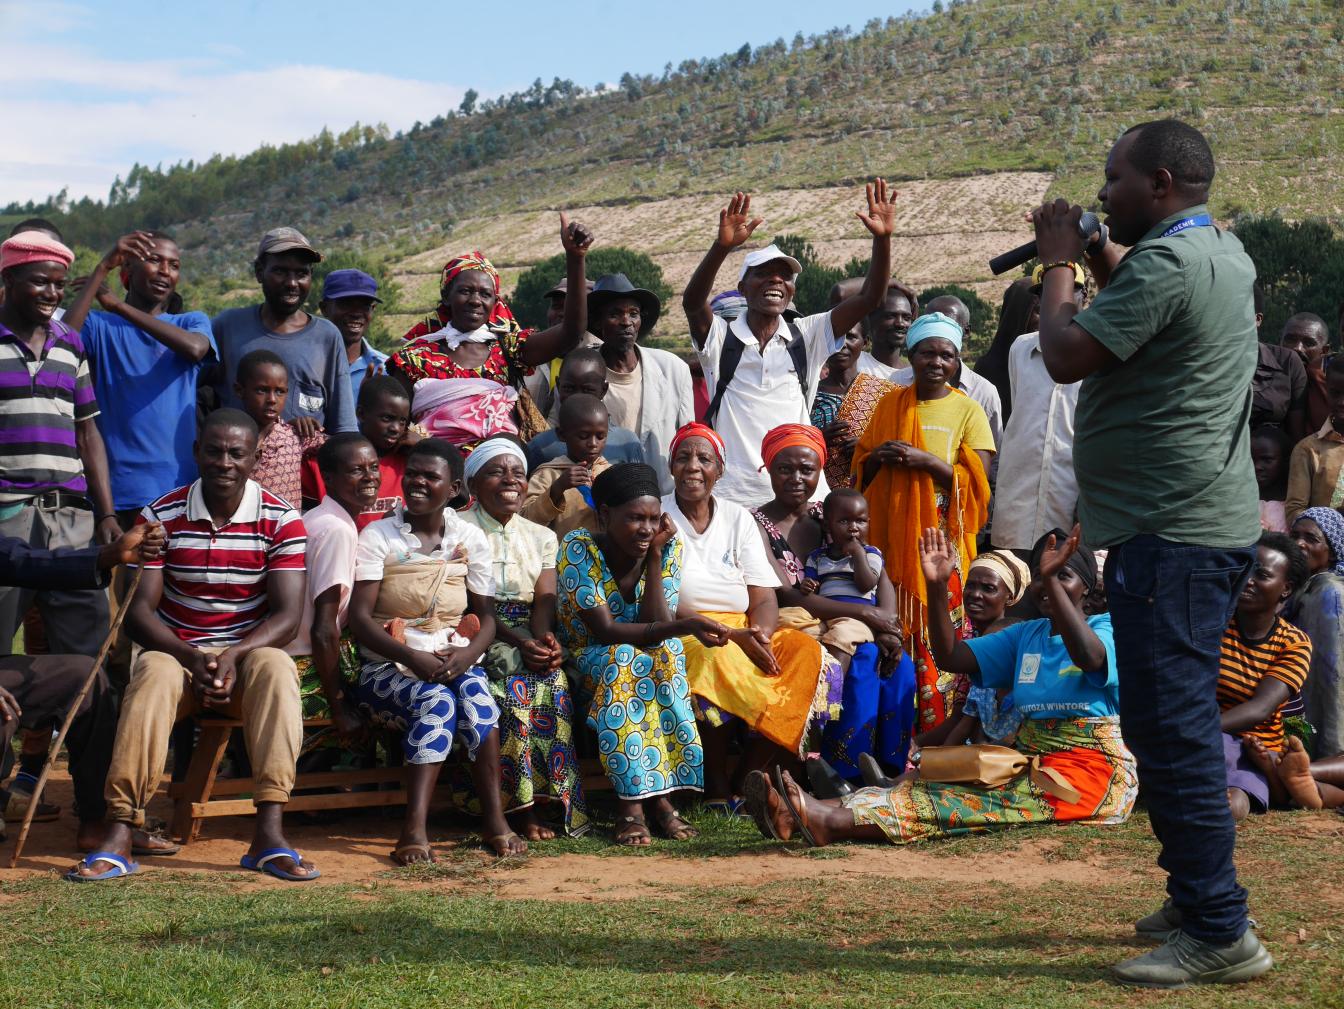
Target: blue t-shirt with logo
(1046, 683)
(147, 398)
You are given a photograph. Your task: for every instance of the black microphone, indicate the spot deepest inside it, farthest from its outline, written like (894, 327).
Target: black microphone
(1088, 225)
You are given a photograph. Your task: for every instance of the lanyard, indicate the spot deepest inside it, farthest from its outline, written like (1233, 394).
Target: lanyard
(1201, 221)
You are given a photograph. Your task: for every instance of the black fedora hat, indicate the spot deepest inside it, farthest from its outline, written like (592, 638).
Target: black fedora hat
(617, 285)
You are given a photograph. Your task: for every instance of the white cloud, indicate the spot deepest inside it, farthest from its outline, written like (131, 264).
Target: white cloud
(77, 119)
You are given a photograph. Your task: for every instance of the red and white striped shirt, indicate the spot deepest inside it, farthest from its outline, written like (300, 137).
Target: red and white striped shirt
(214, 578)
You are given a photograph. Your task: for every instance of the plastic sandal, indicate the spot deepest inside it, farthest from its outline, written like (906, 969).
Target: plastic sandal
(121, 866)
(265, 862)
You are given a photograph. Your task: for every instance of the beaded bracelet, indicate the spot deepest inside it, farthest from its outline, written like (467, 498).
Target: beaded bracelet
(1058, 263)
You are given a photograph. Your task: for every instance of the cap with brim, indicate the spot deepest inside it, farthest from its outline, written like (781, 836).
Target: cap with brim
(1038, 277)
(286, 240)
(349, 284)
(563, 287)
(617, 285)
(759, 257)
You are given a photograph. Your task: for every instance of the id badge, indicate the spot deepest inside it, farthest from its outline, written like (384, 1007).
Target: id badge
(1031, 665)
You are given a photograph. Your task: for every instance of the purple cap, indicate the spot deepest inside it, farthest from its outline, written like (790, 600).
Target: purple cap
(349, 284)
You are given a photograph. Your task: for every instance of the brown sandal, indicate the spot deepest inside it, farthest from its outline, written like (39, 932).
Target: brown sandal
(490, 842)
(683, 833)
(795, 811)
(632, 829)
(399, 853)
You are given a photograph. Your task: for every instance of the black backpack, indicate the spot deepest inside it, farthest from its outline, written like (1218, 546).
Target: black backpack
(731, 354)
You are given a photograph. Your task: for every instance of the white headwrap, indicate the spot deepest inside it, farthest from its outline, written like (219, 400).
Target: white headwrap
(492, 448)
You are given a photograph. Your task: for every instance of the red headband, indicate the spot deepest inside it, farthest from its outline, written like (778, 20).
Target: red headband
(697, 430)
(792, 436)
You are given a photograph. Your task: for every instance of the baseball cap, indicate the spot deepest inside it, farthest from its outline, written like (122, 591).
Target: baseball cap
(563, 288)
(1079, 277)
(286, 240)
(349, 284)
(770, 252)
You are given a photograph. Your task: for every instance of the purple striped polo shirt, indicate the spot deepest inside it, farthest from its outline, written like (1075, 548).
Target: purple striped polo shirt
(41, 400)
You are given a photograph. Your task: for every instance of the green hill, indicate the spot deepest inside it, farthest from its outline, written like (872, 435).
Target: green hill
(975, 111)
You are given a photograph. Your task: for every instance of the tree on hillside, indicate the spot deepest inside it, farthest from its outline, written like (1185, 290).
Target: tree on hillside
(468, 105)
(984, 316)
(528, 300)
(1300, 266)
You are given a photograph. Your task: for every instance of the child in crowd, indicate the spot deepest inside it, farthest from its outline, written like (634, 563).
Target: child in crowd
(1265, 661)
(583, 372)
(1317, 463)
(262, 386)
(848, 570)
(559, 494)
(384, 414)
(1270, 449)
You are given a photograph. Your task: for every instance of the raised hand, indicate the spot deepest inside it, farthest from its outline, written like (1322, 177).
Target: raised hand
(1055, 555)
(1057, 237)
(105, 296)
(736, 223)
(881, 216)
(936, 557)
(137, 245)
(575, 237)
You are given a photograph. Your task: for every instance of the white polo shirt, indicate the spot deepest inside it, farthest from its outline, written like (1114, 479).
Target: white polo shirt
(763, 394)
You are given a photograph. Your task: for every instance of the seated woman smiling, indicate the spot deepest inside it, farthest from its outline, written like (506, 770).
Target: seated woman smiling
(1062, 672)
(618, 591)
(769, 679)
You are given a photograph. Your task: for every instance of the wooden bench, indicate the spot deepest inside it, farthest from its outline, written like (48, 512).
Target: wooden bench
(202, 795)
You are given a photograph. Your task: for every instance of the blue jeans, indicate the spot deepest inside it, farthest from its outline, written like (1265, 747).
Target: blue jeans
(1169, 604)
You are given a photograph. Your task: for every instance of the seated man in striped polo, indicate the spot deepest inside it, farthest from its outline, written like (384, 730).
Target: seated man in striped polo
(212, 616)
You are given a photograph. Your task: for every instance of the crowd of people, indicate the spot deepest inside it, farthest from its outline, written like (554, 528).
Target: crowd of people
(844, 556)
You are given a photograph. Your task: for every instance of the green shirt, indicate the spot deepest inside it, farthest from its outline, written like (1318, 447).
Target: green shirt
(1162, 442)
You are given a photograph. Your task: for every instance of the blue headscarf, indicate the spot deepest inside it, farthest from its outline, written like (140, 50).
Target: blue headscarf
(1332, 527)
(935, 324)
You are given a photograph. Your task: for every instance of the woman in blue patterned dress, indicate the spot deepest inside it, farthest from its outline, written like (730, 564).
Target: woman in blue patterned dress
(618, 592)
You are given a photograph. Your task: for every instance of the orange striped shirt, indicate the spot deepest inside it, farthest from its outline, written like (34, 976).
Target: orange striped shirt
(1285, 654)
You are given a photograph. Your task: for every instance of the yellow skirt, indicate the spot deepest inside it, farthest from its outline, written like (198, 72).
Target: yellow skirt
(778, 707)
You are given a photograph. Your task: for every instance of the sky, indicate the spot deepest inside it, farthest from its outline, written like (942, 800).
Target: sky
(91, 88)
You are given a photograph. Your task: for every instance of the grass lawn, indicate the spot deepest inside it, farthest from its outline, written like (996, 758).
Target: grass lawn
(1024, 919)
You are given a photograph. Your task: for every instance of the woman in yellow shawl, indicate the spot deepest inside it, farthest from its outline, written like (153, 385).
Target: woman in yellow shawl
(922, 462)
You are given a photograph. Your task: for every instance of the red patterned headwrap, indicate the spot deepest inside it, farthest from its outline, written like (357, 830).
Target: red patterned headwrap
(501, 321)
(792, 436)
(697, 430)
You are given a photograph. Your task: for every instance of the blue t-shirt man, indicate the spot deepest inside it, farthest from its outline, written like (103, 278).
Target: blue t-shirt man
(1046, 683)
(147, 394)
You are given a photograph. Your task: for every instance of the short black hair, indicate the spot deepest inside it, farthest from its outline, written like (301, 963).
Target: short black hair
(582, 407)
(1282, 543)
(838, 495)
(255, 359)
(1274, 433)
(36, 224)
(1311, 319)
(1176, 146)
(329, 455)
(374, 388)
(581, 356)
(229, 417)
(437, 448)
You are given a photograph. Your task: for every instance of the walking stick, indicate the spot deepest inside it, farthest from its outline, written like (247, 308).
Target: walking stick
(70, 715)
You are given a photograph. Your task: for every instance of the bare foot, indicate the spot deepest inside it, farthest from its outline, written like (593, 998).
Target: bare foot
(531, 827)
(1267, 761)
(1295, 773)
(1240, 804)
(506, 844)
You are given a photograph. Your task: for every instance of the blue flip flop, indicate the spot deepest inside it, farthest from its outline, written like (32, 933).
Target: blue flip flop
(121, 866)
(265, 862)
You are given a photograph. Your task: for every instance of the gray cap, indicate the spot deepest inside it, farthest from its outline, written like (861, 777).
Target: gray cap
(286, 240)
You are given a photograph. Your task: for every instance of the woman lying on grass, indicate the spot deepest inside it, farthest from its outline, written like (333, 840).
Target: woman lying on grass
(1061, 669)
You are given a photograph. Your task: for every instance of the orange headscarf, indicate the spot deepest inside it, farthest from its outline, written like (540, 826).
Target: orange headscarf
(777, 439)
(903, 504)
(697, 430)
(501, 322)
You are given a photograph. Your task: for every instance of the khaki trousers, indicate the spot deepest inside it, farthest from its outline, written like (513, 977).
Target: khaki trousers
(265, 697)
(843, 634)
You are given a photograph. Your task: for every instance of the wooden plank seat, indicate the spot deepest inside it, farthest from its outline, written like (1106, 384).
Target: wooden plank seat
(202, 794)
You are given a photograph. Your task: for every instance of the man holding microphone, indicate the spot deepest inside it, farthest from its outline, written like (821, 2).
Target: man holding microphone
(1166, 353)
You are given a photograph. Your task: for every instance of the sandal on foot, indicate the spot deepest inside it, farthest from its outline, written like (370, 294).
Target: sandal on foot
(666, 828)
(756, 794)
(632, 829)
(794, 811)
(490, 842)
(121, 866)
(265, 862)
(399, 853)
